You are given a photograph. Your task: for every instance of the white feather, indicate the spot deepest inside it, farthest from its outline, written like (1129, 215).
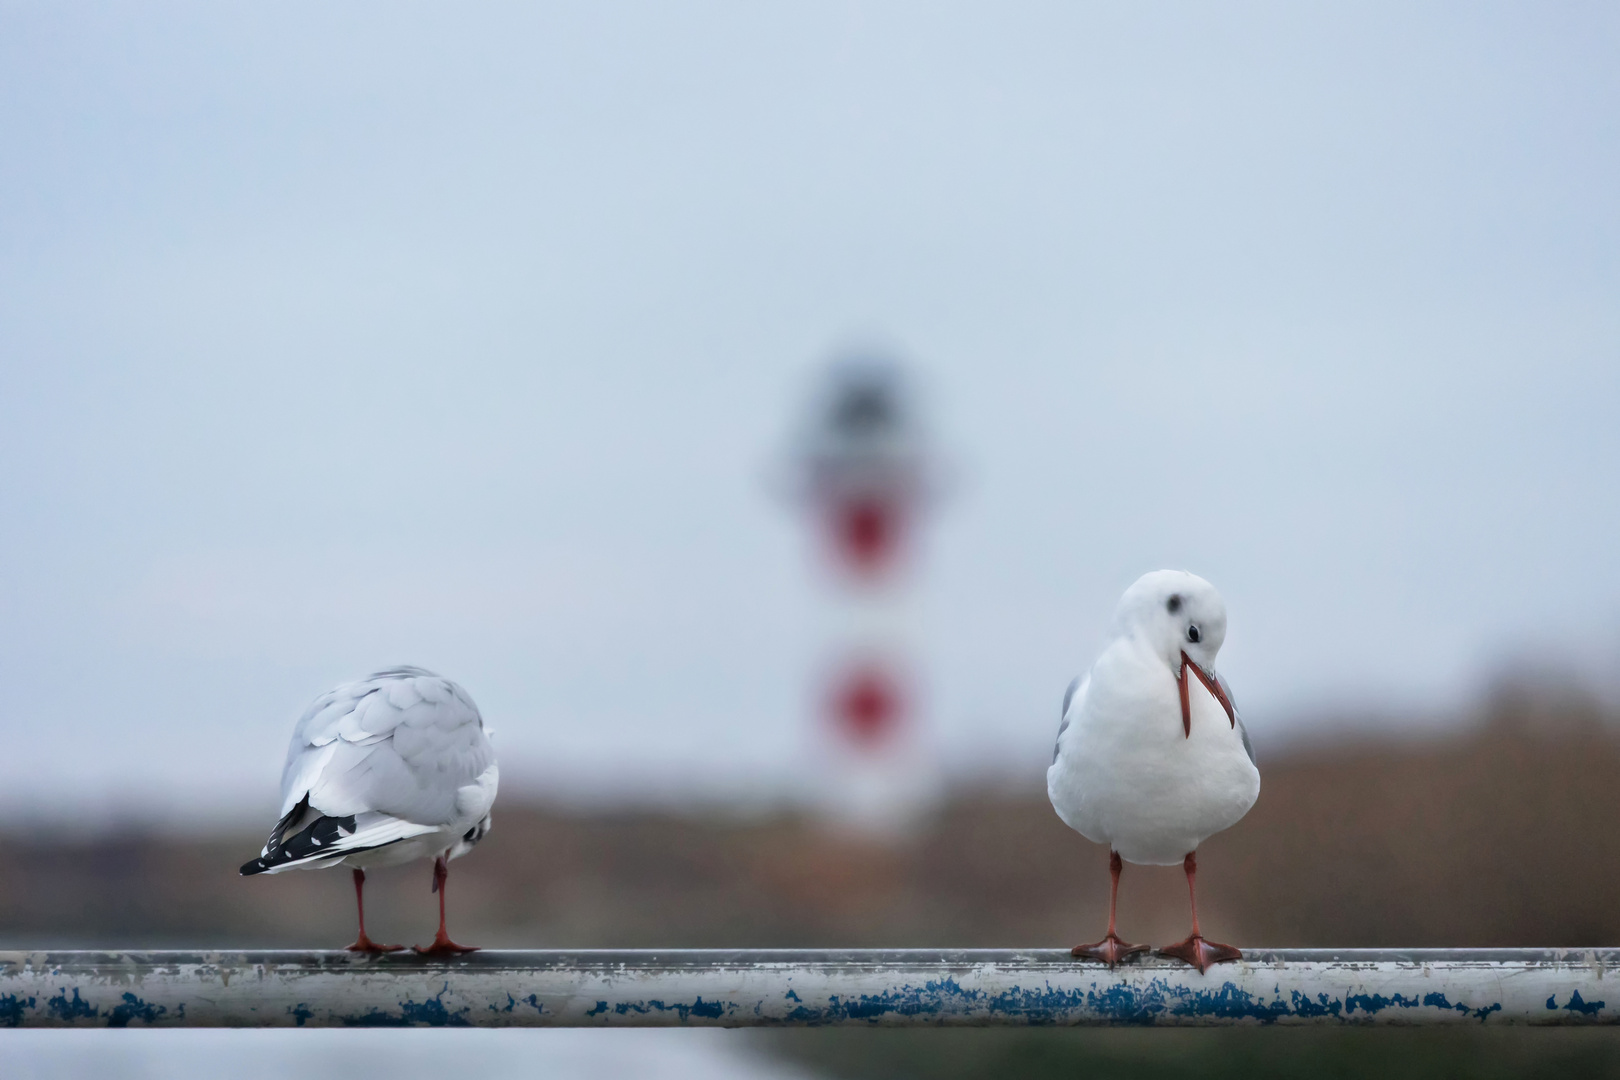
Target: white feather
(405, 753)
(1126, 772)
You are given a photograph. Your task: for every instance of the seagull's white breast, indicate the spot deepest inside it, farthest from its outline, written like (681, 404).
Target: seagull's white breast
(1127, 775)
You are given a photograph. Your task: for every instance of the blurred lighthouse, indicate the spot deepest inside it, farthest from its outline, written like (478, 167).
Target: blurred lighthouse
(867, 477)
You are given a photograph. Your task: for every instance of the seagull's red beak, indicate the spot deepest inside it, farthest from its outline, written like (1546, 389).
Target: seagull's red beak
(1210, 684)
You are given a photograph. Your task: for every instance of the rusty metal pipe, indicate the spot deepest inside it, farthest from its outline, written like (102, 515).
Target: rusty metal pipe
(743, 987)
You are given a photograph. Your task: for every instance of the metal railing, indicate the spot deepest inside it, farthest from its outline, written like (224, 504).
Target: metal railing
(748, 987)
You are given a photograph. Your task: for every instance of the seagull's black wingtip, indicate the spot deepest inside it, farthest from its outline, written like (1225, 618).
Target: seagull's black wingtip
(256, 866)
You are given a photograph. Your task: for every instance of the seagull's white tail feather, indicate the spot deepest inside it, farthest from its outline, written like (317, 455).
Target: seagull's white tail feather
(307, 838)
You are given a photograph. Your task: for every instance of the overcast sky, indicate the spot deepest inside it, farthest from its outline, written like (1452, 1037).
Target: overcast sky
(467, 336)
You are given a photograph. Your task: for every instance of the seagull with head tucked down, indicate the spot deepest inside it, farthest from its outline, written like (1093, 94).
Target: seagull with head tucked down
(1152, 758)
(394, 767)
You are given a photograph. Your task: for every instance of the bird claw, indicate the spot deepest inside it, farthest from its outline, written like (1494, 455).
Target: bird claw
(443, 946)
(1200, 954)
(1110, 950)
(366, 945)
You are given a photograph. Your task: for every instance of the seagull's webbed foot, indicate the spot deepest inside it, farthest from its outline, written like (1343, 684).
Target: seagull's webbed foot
(1110, 950)
(366, 945)
(443, 946)
(1200, 953)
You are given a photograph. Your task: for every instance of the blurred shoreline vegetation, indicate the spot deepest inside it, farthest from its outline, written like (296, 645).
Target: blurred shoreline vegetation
(1498, 834)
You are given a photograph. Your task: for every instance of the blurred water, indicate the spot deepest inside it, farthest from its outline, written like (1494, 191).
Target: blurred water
(396, 1054)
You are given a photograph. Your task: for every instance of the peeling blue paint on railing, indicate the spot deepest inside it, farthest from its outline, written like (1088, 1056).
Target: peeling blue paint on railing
(735, 988)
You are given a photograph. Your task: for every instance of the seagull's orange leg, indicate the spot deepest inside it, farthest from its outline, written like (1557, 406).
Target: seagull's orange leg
(442, 945)
(1195, 950)
(363, 943)
(1110, 950)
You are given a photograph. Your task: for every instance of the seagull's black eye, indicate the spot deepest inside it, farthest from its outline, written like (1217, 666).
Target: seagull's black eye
(1194, 635)
(1174, 603)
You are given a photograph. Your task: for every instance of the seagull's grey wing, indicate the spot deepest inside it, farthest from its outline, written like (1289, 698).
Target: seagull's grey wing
(315, 740)
(404, 743)
(1237, 717)
(1077, 684)
(306, 837)
(1068, 696)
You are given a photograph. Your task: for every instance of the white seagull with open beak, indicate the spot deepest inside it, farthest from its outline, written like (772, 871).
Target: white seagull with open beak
(1151, 758)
